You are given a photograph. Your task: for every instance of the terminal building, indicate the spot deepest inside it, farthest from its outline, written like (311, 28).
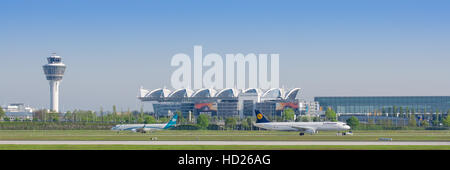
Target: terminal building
(222, 103)
(381, 107)
(231, 102)
(389, 104)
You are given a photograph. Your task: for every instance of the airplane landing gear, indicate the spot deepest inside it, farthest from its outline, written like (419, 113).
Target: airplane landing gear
(302, 134)
(344, 133)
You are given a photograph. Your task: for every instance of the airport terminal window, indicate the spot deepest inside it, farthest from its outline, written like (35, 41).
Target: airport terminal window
(378, 104)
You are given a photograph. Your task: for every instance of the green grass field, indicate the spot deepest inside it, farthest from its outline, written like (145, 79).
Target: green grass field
(184, 135)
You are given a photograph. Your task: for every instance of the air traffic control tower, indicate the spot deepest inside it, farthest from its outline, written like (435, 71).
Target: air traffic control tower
(54, 72)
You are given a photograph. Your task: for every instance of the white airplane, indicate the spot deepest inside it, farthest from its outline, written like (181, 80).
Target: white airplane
(146, 127)
(308, 127)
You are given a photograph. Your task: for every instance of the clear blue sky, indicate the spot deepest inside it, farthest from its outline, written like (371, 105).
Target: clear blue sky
(328, 48)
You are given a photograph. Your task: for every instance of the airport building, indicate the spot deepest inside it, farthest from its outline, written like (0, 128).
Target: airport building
(222, 103)
(231, 102)
(385, 104)
(393, 108)
(18, 111)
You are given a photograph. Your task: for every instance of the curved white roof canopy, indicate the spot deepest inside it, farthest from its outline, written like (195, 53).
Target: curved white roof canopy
(293, 94)
(228, 92)
(181, 93)
(204, 93)
(274, 93)
(158, 93)
(252, 91)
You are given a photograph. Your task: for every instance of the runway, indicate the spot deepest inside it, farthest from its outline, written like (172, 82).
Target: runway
(226, 142)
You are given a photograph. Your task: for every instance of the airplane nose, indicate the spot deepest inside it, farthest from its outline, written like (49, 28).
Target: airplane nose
(347, 127)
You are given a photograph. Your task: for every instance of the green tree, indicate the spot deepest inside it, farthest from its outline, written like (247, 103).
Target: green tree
(401, 111)
(2, 112)
(163, 119)
(68, 116)
(412, 121)
(407, 112)
(101, 114)
(353, 122)
(149, 119)
(424, 123)
(250, 122)
(316, 119)
(435, 123)
(330, 115)
(437, 115)
(246, 124)
(436, 118)
(230, 122)
(305, 119)
(54, 117)
(289, 114)
(203, 121)
(140, 119)
(114, 110)
(446, 121)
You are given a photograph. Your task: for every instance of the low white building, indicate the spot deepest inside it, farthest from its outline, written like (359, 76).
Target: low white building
(309, 107)
(18, 111)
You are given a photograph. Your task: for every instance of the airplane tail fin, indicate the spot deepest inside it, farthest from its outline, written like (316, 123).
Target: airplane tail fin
(172, 122)
(260, 118)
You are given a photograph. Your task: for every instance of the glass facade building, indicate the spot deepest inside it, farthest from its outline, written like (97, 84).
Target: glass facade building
(228, 108)
(385, 104)
(268, 108)
(249, 108)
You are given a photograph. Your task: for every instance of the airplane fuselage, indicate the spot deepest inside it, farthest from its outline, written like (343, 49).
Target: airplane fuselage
(133, 127)
(315, 126)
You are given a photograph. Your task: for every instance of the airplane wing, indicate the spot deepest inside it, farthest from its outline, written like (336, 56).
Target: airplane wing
(304, 128)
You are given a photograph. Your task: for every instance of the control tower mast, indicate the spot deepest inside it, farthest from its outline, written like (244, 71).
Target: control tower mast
(54, 72)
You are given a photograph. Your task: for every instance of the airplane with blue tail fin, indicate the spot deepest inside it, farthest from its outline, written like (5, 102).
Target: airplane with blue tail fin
(146, 127)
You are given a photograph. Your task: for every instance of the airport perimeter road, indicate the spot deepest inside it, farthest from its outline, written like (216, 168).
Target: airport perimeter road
(224, 143)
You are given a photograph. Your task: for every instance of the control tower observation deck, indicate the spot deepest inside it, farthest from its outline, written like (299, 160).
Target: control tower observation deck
(54, 72)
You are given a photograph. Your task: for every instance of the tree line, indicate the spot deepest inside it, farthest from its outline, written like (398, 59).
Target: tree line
(77, 118)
